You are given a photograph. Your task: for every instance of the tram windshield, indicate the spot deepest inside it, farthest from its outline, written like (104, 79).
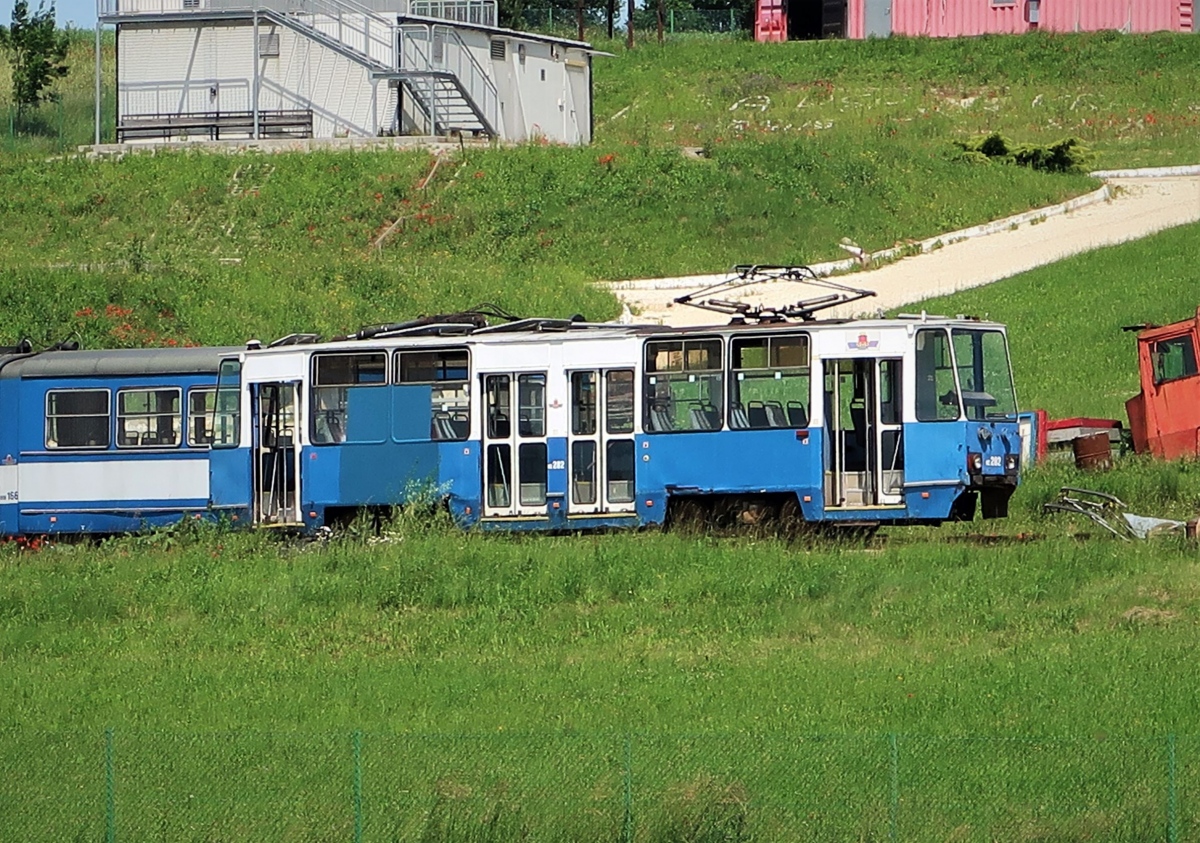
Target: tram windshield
(984, 375)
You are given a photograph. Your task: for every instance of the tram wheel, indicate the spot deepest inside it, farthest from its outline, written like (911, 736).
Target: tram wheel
(687, 515)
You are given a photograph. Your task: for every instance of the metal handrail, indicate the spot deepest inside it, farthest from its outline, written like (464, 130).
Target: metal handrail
(471, 75)
(482, 12)
(412, 57)
(353, 24)
(419, 53)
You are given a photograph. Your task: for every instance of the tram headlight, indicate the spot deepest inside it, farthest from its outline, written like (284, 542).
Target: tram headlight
(1011, 462)
(974, 462)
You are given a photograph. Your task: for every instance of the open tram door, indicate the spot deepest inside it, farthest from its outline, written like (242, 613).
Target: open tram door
(864, 455)
(276, 453)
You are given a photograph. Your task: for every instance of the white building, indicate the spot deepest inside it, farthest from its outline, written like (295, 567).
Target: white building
(228, 69)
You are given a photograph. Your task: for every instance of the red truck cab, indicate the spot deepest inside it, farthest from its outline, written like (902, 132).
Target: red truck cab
(1165, 416)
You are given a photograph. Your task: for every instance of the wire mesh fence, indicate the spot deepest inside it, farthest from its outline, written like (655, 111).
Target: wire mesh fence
(125, 785)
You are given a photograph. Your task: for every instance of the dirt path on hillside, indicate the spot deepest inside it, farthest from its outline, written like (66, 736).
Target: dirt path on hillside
(1138, 207)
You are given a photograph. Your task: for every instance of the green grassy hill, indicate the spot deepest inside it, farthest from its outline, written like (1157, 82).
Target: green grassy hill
(805, 143)
(1037, 685)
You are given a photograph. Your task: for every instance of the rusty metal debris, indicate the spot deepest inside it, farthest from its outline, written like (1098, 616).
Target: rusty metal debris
(1111, 513)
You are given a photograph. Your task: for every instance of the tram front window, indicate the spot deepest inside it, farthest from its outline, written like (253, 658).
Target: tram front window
(984, 374)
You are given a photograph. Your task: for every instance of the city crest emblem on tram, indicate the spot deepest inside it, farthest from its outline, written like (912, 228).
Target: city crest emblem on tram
(862, 343)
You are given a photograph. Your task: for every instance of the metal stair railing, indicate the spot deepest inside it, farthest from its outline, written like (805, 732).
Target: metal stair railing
(473, 79)
(364, 34)
(357, 27)
(482, 12)
(415, 58)
(440, 72)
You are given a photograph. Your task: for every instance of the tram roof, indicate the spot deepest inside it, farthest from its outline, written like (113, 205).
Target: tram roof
(114, 362)
(607, 331)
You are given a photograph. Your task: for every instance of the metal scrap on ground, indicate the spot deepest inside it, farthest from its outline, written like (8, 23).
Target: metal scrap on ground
(1110, 512)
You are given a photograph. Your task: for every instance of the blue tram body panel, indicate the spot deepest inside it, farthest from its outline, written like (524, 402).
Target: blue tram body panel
(460, 479)
(104, 441)
(230, 481)
(935, 456)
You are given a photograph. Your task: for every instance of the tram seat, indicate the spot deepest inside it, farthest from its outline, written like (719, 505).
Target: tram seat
(738, 418)
(702, 418)
(856, 439)
(775, 415)
(461, 426)
(660, 419)
(757, 413)
(500, 427)
(200, 434)
(329, 428)
(443, 428)
(130, 439)
(150, 439)
(797, 415)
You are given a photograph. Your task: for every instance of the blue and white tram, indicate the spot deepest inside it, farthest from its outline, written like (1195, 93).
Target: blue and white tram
(105, 441)
(554, 425)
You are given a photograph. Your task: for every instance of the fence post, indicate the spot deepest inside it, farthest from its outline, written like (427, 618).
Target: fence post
(627, 825)
(1172, 794)
(671, 15)
(894, 802)
(732, 20)
(358, 809)
(110, 800)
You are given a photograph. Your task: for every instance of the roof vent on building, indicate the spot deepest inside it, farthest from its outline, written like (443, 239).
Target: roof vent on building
(498, 50)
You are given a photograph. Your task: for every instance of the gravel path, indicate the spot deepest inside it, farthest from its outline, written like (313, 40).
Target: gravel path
(1138, 205)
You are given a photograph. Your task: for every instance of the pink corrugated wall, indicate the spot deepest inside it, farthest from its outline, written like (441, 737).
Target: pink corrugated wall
(1129, 15)
(977, 17)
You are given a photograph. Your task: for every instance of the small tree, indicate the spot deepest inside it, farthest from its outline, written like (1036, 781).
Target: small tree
(37, 52)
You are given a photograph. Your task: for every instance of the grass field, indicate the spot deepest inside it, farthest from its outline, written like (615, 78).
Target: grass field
(934, 685)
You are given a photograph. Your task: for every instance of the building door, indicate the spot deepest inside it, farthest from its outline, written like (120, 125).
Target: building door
(864, 459)
(276, 454)
(515, 459)
(600, 454)
(877, 21)
(833, 19)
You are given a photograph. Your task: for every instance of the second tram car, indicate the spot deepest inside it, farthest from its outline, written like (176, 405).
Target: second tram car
(557, 425)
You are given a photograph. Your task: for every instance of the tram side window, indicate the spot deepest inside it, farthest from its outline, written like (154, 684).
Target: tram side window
(225, 419)
(448, 374)
(1174, 359)
(937, 395)
(334, 378)
(77, 418)
(148, 418)
(771, 382)
(201, 404)
(684, 386)
(618, 395)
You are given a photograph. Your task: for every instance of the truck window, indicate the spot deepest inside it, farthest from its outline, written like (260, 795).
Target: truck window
(1174, 359)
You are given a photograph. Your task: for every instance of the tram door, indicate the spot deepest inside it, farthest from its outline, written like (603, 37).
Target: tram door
(276, 454)
(600, 449)
(864, 458)
(514, 445)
